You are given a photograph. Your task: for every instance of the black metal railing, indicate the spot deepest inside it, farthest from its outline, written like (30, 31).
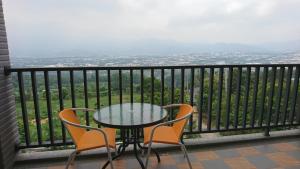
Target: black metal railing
(225, 97)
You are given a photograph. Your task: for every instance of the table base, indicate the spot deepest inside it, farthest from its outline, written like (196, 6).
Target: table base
(131, 136)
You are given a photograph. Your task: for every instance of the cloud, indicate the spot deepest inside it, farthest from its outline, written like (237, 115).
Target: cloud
(62, 23)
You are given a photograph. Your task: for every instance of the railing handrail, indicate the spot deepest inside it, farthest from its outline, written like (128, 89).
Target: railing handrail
(24, 69)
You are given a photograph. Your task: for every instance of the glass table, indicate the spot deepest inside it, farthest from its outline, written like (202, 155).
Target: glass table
(130, 118)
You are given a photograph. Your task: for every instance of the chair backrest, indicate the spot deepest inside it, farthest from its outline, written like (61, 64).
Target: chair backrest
(70, 116)
(184, 110)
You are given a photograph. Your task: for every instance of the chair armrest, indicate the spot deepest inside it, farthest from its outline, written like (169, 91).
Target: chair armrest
(83, 109)
(171, 105)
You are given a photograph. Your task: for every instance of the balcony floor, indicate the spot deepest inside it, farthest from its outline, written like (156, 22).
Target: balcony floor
(280, 154)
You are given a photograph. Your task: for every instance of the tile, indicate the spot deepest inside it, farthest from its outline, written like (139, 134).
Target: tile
(179, 158)
(132, 163)
(195, 165)
(215, 164)
(283, 159)
(167, 159)
(265, 149)
(152, 159)
(206, 155)
(293, 167)
(118, 164)
(89, 165)
(228, 153)
(295, 143)
(261, 162)
(238, 163)
(282, 155)
(153, 163)
(162, 166)
(285, 147)
(294, 154)
(248, 151)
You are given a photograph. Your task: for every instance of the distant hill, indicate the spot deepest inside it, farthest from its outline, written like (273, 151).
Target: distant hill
(150, 47)
(291, 46)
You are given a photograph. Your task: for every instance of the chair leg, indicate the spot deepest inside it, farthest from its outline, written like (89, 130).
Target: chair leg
(71, 158)
(143, 151)
(148, 154)
(116, 151)
(109, 158)
(186, 155)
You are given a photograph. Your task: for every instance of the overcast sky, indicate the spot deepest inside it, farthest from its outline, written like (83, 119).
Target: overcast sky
(67, 23)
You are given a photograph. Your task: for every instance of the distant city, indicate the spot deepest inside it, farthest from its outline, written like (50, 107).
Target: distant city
(159, 60)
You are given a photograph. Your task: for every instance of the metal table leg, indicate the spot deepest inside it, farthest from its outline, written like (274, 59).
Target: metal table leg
(135, 144)
(121, 148)
(134, 139)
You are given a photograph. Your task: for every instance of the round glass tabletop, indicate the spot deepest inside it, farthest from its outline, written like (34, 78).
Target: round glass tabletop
(130, 115)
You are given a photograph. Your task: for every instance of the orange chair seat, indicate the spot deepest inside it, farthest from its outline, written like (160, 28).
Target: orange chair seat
(94, 139)
(162, 134)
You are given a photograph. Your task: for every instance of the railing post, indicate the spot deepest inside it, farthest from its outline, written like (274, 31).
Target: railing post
(267, 132)
(6, 70)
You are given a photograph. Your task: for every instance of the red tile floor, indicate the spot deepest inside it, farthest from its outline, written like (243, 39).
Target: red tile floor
(268, 154)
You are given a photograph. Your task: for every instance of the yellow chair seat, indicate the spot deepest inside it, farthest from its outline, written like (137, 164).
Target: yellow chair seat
(162, 134)
(94, 139)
